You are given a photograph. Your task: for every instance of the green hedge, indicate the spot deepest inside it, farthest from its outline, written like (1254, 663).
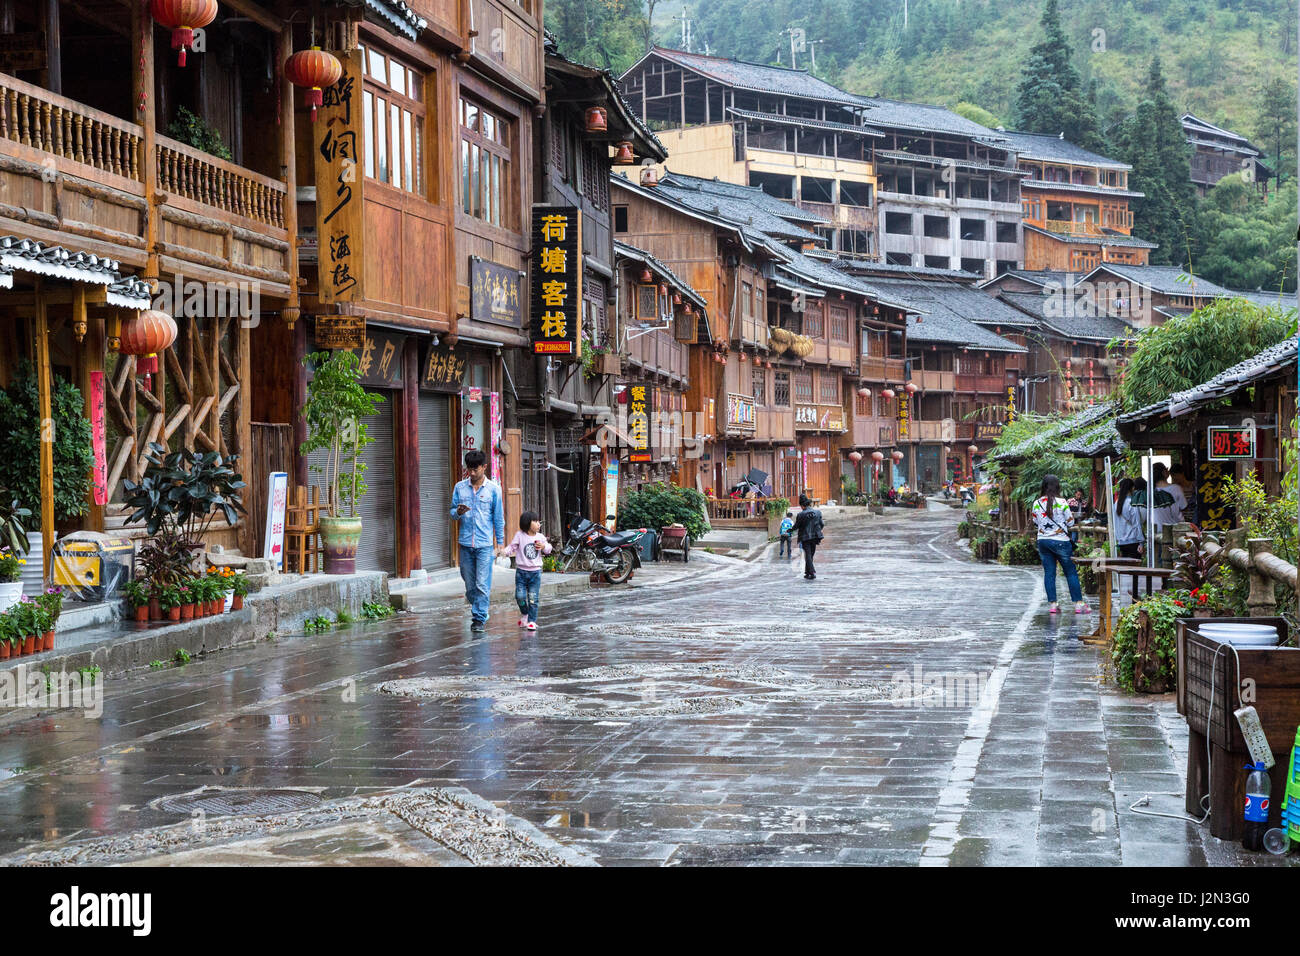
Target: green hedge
(658, 505)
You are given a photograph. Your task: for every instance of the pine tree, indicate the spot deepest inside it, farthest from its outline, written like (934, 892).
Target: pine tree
(1152, 142)
(1051, 97)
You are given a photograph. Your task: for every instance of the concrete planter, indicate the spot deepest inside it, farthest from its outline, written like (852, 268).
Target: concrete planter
(340, 537)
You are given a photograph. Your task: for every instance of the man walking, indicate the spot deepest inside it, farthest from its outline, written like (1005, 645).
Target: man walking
(808, 528)
(476, 504)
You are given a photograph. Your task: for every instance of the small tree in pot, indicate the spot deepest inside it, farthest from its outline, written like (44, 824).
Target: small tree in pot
(336, 404)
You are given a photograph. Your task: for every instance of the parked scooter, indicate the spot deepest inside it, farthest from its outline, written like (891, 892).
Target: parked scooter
(592, 548)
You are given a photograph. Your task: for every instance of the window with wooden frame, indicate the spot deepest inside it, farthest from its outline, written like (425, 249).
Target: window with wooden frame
(828, 388)
(747, 299)
(760, 387)
(781, 389)
(485, 154)
(864, 408)
(394, 113)
(839, 325)
(813, 326)
(803, 386)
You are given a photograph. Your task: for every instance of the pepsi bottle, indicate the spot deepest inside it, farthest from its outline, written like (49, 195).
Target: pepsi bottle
(1256, 810)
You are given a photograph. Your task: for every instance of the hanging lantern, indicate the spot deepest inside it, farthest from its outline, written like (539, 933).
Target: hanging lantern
(649, 177)
(183, 17)
(313, 69)
(663, 288)
(623, 155)
(855, 456)
(875, 310)
(646, 277)
(897, 456)
(677, 298)
(973, 449)
(864, 392)
(744, 357)
(597, 119)
(145, 335)
(887, 393)
(911, 388)
(877, 456)
(688, 309)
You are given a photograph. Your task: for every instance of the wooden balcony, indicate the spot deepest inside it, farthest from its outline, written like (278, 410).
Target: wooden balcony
(944, 431)
(934, 381)
(984, 384)
(69, 170)
(1067, 227)
(866, 433)
(658, 353)
(840, 354)
(876, 369)
(774, 425)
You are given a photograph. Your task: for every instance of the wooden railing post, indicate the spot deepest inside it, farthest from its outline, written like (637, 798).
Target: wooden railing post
(1262, 600)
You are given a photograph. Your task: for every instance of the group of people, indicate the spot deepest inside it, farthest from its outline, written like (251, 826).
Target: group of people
(1054, 520)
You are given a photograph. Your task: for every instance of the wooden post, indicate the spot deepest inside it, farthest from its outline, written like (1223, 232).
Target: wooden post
(248, 527)
(301, 474)
(92, 360)
(1261, 601)
(47, 428)
(53, 54)
(289, 166)
(408, 466)
(146, 116)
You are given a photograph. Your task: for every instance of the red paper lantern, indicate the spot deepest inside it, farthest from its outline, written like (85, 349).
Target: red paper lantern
(911, 388)
(145, 334)
(597, 121)
(855, 456)
(183, 17)
(677, 298)
(973, 449)
(896, 455)
(877, 456)
(887, 393)
(313, 69)
(864, 392)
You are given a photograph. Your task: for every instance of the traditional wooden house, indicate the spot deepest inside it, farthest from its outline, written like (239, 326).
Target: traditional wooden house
(1219, 152)
(1146, 295)
(1075, 206)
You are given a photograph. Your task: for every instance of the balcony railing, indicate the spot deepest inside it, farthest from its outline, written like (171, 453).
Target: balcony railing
(876, 369)
(945, 431)
(203, 178)
(659, 352)
(1069, 228)
(934, 381)
(774, 424)
(980, 383)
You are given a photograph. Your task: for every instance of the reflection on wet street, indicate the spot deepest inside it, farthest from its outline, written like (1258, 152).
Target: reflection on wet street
(907, 706)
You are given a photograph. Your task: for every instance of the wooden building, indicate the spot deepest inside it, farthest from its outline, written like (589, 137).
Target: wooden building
(1144, 296)
(1217, 152)
(1075, 206)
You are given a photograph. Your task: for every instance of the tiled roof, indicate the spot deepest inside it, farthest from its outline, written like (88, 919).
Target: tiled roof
(393, 15)
(1282, 300)
(869, 267)
(781, 119)
(749, 210)
(650, 143)
(949, 313)
(1108, 239)
(896, 114)
(1051, 436)
(1038, 277)
(1276, 360)
(1044, 146)
(625, 250)
(1046, 308)
(28, 255)
(1193, 124)
(1101, 439)
(757, 77)
(749, 194)
(1168, 280)
(1104, 191)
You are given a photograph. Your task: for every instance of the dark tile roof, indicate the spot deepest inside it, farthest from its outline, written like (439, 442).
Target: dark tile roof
(750, 210)
(804, 122)
(1162, 279)
(1101, 439)
(870, 267)
(1108, 239)
(1103, 191)
(1044, 146)
(1038, 277)
(393, 15)
(1282, 300)
(751, 194)
(625, 250)
(1193, 124)
(28, 255)
(822, 273)
(621, 112)
(757, 77)
(950, 313)
(1046, 307)
(896, 114)
(1051, 436)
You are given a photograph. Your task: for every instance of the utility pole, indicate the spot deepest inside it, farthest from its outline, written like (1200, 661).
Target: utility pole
(904, 14)
(686, 29)
(812, 53)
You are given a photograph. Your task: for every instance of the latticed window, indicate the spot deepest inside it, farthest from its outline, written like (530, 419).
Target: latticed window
(394, 118)
(828, 388)
(781, 389)
(803, 386)
(484, 163)
(760, 387)
(839, 325)
(812, 321)
(864, 407)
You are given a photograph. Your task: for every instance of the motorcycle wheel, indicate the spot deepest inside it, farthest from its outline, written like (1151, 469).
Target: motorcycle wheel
(624, 569)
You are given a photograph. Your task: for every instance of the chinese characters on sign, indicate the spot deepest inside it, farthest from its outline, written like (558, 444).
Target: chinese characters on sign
(557, 281)
(443, 370)
(340, 332)
(638, 421)
(338, 139)
(1230, 443)
(1213, 513)
(1011, 403)
(904, 416)
(379, 360)
(988, 431)
(826, 418)
(99, 474)
(494, 294)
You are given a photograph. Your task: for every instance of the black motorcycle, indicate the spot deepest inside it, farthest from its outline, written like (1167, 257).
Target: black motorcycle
(592, 548)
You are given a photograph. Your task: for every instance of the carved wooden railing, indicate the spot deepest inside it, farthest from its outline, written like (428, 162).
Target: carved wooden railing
(203, 178)
(42, 120)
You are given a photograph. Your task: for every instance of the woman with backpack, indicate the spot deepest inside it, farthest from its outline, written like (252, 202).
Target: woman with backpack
(808, 528)
(1055, 522)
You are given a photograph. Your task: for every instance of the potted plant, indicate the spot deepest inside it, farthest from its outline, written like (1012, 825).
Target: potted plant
(336, 404)
(6, 636)
(169, 599)
(137, 596)
(25, 615)
(185, 591)
(11, 578)
(239, 586)
(51, 603)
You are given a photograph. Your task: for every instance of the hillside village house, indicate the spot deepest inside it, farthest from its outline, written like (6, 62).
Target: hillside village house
(1219, 152)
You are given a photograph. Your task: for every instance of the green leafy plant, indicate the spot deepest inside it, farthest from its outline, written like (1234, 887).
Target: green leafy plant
(166, 559)
(376, 610)
(1019, 551)
(192, 130)
(1194, 567)
(777, 507)
(20, 444)
(1162, 610)
(13, 524)
(658, 505)
(963, 529)
(317, 624)
(342, 616)
(136, 592)
(336, 404)
(551, 562)
(11, 567)
(185, 490)
(239, 584)
(89, 675)
(182, 656)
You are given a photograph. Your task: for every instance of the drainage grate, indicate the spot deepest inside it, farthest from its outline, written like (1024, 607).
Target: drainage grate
(219, 801)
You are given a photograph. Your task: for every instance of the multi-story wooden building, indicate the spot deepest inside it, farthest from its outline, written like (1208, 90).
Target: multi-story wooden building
(1219, 152)
(1147, 295)
(793, 135)
(1076, 206)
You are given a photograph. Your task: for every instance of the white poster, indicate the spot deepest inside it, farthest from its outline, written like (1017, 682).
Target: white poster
(611, 490)
(277, 499)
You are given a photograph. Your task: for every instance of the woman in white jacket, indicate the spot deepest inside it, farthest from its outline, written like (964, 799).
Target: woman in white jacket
(1129, 531)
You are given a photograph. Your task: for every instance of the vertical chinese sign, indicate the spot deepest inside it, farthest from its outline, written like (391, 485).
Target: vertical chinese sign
(556, 319)
(338, 139)
(638, 421)
(904, 416)
(99, 474)
(1011, 403)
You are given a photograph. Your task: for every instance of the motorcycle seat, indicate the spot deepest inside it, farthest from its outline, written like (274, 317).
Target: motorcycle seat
(616, 540)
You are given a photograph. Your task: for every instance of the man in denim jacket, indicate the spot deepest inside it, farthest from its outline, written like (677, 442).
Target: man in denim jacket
(476, 504)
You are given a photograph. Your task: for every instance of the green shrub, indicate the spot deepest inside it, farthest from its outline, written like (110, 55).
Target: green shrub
(375, 611)
(1163, 610)
(777, 507)
(20, 445)
(1019, 551)
(658, 505)
(963, 529)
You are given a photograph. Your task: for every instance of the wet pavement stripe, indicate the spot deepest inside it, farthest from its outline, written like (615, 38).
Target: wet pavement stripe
(955, 796)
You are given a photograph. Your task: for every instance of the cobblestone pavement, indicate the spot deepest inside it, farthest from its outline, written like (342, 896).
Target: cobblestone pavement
(907, 707)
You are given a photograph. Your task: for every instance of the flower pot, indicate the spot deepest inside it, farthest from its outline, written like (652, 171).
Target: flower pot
(4, 650)
(174, 613)
(155, 610)
(49, 641)
(187, 612)
(340, 537)
(29, 644)
(237, 603)
(141, 612)
(228, 601)
(16, 648)
(11, 592)
(214, 606)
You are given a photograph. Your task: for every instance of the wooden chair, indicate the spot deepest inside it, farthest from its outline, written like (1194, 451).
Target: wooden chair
(302, 548)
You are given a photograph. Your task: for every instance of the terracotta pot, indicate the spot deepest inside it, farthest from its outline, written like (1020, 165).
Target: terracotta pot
(340, 538)
(155, 610)
(174, 613)
(49, 641)
(17, 648)
(238, 603)
(187, 612)
(142, 612)
(29, 644)
(214, 606)
(4, 650)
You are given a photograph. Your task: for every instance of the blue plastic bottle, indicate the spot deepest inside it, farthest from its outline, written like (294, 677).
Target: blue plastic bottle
(1256, 810)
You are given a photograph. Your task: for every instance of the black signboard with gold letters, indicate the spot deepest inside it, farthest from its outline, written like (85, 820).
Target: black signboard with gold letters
(442, 370)
(556, 316)
(494, 294)
(380, 358)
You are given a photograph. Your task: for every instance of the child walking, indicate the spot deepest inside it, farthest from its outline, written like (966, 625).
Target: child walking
(527, 548)
(787, 525)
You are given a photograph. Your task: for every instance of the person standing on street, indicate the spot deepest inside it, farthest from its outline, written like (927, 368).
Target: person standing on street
(1052, 518)
(476, 505)
(787, 525)
(808, 529)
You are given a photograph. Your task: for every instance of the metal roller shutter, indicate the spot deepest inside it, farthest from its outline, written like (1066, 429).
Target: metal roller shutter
(435, 480)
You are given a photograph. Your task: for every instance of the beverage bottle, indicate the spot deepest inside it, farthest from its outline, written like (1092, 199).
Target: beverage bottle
(1256, 809)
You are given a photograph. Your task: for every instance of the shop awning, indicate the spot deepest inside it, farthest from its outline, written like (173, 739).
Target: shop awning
(56, 262)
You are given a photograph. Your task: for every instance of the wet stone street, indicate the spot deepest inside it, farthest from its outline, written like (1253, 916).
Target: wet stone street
(908, 707)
